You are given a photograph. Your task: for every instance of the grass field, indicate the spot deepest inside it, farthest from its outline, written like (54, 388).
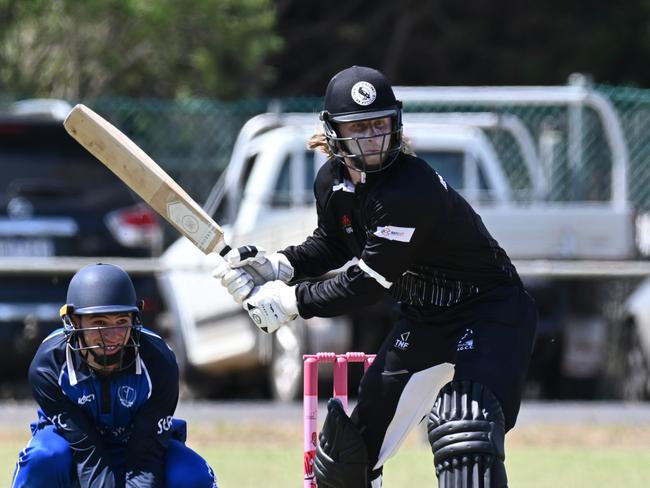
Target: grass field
(253, 455)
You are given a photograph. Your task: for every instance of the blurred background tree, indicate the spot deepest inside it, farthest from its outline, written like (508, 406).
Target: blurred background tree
(230, 49)
(473, 42)
(163, 48)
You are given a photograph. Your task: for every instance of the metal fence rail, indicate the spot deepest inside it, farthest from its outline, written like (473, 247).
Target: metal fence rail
(193, 139)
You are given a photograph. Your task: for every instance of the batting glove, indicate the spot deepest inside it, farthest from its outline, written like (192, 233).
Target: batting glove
(272, 305)
(237, 281)
(259, 266)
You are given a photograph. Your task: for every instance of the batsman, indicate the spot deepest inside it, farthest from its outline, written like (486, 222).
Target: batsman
(459, 350)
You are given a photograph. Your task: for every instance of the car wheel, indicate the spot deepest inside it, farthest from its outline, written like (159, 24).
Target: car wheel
(636, 373)
(285, 370)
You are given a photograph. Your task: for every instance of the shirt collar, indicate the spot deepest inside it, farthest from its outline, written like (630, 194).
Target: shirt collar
(79, 370)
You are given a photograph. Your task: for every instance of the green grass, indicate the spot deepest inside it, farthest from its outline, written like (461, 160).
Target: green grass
(590, 468)
(9, 449)
(271, 456)
(413, 467)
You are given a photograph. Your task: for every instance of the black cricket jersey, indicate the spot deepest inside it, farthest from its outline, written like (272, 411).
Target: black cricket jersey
(128, 411)
(414, 236)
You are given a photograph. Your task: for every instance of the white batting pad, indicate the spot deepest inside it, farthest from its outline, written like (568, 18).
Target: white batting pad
(414, 404)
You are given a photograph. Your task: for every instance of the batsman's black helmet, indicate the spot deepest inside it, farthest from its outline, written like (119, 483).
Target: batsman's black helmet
(360, 93)
(102, 289)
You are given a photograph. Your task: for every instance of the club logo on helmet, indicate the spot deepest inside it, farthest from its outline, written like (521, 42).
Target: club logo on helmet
(363, 93)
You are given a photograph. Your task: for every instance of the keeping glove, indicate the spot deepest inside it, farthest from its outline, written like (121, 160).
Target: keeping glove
(259, 266)
(272, 305)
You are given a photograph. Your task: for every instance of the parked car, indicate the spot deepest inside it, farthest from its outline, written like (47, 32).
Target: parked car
(60, 209)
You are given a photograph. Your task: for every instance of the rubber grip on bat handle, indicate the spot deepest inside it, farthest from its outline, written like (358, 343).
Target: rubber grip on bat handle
(226, 249)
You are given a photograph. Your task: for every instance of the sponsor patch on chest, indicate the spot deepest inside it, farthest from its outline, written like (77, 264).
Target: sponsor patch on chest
(394, 233)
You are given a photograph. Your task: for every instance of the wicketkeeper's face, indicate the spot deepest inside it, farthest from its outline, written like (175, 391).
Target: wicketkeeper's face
(106, 333)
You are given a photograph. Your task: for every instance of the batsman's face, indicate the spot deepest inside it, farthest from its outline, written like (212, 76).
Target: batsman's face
(370, 138)
(108, 332)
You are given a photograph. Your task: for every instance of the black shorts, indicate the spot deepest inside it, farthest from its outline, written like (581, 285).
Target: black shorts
(489, 341)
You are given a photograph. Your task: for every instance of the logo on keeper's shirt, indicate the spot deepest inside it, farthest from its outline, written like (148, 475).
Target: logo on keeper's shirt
(126, 394)
(58, 422)
(164, 424)
(86, 398)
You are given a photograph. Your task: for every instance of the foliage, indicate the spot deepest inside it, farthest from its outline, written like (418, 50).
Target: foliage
(163, 48)
(239, 48)
(473, 42)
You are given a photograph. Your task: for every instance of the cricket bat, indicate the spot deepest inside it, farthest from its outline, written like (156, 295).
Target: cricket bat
(141, 173)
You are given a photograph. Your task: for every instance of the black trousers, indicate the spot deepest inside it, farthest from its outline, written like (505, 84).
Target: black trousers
(488, 341)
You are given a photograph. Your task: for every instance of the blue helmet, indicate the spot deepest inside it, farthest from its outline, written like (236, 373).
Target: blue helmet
(102, 289)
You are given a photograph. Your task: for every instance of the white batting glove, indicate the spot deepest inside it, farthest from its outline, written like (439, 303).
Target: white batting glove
(237, 281)
(272, 305)
(259, 266)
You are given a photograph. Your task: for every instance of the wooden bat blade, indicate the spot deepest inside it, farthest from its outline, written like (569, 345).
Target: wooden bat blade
(141, 173)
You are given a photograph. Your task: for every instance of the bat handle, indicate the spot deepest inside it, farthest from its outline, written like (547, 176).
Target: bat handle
(221, 248)
(224, 250)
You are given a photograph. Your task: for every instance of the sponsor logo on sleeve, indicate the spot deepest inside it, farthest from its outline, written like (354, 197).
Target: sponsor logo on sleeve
(393, 233)
(164, 424)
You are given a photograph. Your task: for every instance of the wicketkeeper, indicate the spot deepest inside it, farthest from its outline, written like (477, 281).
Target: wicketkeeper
(107, 389)
(459, 351)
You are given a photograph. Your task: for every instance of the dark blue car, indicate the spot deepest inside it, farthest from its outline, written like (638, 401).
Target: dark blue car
(60, 208)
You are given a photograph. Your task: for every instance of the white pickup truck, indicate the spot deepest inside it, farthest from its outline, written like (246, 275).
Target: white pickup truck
(265, 198)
